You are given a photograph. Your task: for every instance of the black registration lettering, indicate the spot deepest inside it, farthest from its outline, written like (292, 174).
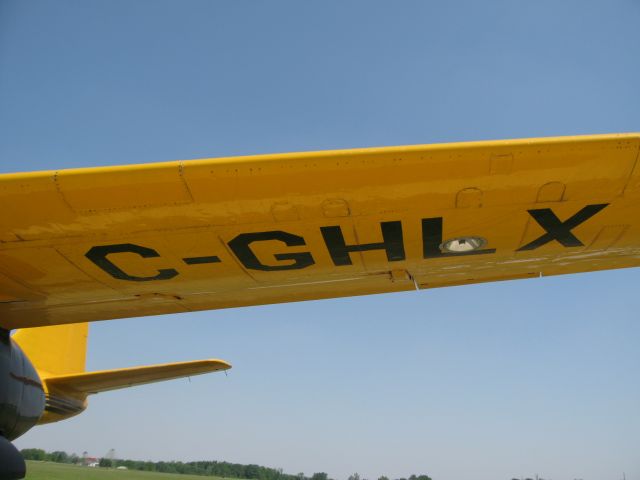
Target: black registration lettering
(557, 230)
(99, 256)
(241, 247)
(432, 239)
(392, 243)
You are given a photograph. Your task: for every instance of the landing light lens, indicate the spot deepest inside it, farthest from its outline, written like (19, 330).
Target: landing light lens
(463, 244)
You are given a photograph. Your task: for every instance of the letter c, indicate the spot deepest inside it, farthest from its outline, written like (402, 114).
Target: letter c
(98, 255)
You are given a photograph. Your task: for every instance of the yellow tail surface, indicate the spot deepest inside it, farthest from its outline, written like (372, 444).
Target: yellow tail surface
(105, 380)
(59, 355)
(56, 350)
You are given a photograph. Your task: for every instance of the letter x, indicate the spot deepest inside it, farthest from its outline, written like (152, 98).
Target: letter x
(557, 230)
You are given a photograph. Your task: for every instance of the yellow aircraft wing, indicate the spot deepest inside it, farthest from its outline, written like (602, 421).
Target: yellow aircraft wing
(100, 243)
(86, 383)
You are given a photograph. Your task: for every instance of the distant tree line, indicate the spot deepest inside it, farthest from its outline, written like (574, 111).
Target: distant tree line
(205, 468)
(41, 455)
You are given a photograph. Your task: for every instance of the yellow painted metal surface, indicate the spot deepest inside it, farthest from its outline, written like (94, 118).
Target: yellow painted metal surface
(67, 394)
(59, 355)
(101, 243)
(105, 380)
(55, 350)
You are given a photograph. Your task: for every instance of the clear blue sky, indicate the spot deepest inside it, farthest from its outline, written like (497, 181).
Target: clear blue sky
(482, 382)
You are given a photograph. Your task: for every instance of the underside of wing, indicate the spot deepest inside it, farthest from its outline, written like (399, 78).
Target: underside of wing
(95, 382)
(101, 243)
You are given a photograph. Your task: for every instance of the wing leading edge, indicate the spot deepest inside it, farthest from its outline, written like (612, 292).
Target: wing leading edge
(101, 243)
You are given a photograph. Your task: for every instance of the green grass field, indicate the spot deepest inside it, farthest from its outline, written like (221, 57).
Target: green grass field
(58, 471)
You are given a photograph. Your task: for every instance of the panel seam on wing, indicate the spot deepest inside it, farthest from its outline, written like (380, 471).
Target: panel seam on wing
(184, 180)
(633, 170)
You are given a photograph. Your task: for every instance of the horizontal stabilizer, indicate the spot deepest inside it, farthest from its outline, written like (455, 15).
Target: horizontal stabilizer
(104, 380)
